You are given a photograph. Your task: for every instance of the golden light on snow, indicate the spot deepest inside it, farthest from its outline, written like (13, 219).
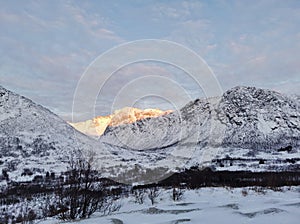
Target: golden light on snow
(127, 115)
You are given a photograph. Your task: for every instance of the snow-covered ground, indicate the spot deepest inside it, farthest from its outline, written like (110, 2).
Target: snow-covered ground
(208, 205)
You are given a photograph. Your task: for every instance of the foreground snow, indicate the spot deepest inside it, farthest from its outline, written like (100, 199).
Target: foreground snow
(208, 205)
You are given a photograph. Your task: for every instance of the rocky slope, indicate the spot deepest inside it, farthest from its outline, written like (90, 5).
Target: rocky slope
(259, 119)
(244, 117)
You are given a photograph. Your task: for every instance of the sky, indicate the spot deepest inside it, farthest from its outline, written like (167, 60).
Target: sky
(46, 46)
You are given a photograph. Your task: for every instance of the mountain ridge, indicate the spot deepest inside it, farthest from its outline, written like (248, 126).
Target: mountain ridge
(239, 110)
(237, 131)
(32, 137)
(126, 115)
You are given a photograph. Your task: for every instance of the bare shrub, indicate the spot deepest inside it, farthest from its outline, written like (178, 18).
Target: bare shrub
(177, 194)
(244, 192)
(139, 196)
(153, 194)
(84, 194)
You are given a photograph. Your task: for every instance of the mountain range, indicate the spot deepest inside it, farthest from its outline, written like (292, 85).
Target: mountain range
(247, 128)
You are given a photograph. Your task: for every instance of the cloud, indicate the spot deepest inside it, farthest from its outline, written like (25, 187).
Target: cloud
(93, 24)
(247, 44)
(176, 10)
(9, 17)
(48, 44)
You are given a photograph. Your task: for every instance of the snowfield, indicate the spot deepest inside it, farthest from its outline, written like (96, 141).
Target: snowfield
(208, 205)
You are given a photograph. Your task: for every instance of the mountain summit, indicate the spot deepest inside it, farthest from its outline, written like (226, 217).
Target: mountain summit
(127, 115)
(259, 119)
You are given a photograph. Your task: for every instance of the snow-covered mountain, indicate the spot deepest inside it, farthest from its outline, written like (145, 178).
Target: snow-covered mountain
(33, 140)
(246, 128)
(244, 117)
(259, 119)
(127, 115)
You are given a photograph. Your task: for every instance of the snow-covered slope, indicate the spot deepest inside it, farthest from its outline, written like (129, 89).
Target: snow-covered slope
(126, 115)
(207, 205)
(245, 125)
(163, 131)
(259, 119)
(34, 139)
(244, 117)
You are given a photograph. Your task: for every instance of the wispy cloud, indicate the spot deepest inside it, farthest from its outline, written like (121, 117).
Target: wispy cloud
(48, 44)
(49, 49)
